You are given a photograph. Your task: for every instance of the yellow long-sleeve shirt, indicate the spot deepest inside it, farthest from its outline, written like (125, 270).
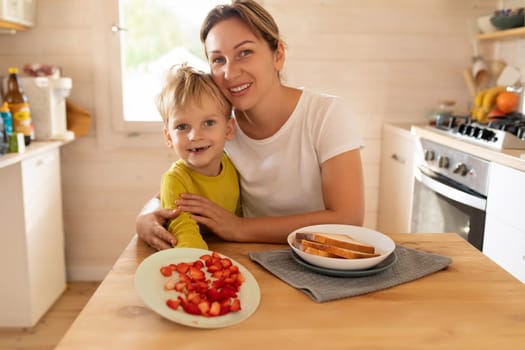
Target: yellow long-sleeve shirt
(222, 189)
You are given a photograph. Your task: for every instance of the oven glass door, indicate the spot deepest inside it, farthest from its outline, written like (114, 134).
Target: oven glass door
(441, 207)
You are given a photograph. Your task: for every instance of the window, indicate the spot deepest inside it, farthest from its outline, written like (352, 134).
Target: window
(152, 36)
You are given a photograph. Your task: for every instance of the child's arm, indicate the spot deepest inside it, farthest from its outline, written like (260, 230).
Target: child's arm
(185, 229)
(187, 232)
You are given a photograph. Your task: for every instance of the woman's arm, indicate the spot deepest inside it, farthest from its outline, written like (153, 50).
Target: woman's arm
(343, 194)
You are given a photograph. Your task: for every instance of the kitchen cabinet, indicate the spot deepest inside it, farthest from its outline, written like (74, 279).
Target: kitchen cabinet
(504, 239)
(32, 264)
(17, 14)
(396, 179)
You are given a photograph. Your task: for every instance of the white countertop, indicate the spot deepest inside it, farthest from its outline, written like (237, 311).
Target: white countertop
(508, 157)
(34, 148)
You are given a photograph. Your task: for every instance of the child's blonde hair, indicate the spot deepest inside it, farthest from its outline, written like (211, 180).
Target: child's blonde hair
(185, 85)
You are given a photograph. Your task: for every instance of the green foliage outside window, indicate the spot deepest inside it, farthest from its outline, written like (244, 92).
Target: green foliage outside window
(153, 29)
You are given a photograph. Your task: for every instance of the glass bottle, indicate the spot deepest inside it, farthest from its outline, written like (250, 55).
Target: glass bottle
(18, 105)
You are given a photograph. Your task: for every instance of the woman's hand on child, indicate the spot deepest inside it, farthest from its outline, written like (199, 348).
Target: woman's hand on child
(219, 220)
(150, 228)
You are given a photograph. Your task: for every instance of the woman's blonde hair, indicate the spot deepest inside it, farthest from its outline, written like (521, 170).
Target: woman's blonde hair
(250, 12)
(185, 85)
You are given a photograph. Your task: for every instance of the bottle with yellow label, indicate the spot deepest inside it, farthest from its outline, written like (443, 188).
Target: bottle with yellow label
(19, 106)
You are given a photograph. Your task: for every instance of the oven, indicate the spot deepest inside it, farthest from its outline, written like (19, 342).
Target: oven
(450, 192)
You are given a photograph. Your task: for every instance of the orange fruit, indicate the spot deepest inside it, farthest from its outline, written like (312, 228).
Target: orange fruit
(507, 101)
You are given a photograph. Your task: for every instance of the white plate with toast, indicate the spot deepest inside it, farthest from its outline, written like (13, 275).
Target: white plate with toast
(341, 247)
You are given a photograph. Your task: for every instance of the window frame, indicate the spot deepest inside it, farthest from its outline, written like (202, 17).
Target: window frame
(115, 74)
(118, 123)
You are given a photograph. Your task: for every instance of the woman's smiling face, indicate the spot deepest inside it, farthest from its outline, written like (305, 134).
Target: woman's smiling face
(242, 64)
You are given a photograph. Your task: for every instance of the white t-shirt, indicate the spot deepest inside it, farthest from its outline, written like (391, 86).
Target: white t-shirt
(281, 175)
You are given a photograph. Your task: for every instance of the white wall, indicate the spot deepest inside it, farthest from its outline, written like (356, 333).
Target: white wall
(392, 59)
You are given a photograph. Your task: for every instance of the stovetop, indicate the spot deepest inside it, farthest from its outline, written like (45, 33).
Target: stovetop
(500, 133)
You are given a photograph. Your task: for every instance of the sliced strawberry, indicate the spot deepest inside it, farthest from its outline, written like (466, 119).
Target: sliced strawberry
(198, 264)
(173, 303)
(205, 257)
(229, 280)
(182, 267)
(170, 285)
(235, 306)
(214, 268)
(196, 274)
(166, 271)
(204, 307)
(191, 308)
(215, 309)
(217, 274)
(225, 308)
(240, 278)
(202, 286)
(213, 294)
(227, 292)
(180, 286)
(193, 297)
(226, 273)
(218, 284)
(197, 287)
(234, 277)
(226, 263)
(185, 278)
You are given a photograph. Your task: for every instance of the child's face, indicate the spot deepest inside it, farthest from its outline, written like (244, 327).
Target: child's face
(197, 134)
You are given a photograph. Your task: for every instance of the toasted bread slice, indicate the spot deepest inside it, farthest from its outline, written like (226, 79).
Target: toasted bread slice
(340, 252)
(311, 250)
(336, 240)
(318, 252)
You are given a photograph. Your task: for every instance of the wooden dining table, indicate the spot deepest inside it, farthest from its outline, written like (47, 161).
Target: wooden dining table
(472, 304)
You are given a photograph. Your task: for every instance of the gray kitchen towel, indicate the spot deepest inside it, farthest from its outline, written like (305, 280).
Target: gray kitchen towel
(410, 265)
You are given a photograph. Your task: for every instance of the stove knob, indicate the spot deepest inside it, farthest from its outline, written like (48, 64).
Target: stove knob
(487, 134)
(429, 155)
(461, 169)
(443, 162)
(521, 132)
(475, 131)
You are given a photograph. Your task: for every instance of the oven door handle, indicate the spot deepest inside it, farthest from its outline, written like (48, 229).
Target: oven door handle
(451, 192)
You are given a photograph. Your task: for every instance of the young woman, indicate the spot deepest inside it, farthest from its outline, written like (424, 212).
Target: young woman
(297, 152)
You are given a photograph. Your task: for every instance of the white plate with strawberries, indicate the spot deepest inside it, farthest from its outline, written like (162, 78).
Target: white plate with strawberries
(197, 287)
(341, 247)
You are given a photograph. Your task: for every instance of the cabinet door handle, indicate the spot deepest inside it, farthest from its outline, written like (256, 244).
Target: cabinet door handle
(44, 160)
(397, 158)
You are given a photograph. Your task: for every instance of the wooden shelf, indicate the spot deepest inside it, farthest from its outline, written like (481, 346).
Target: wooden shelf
(503, 34)
(12, 26)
